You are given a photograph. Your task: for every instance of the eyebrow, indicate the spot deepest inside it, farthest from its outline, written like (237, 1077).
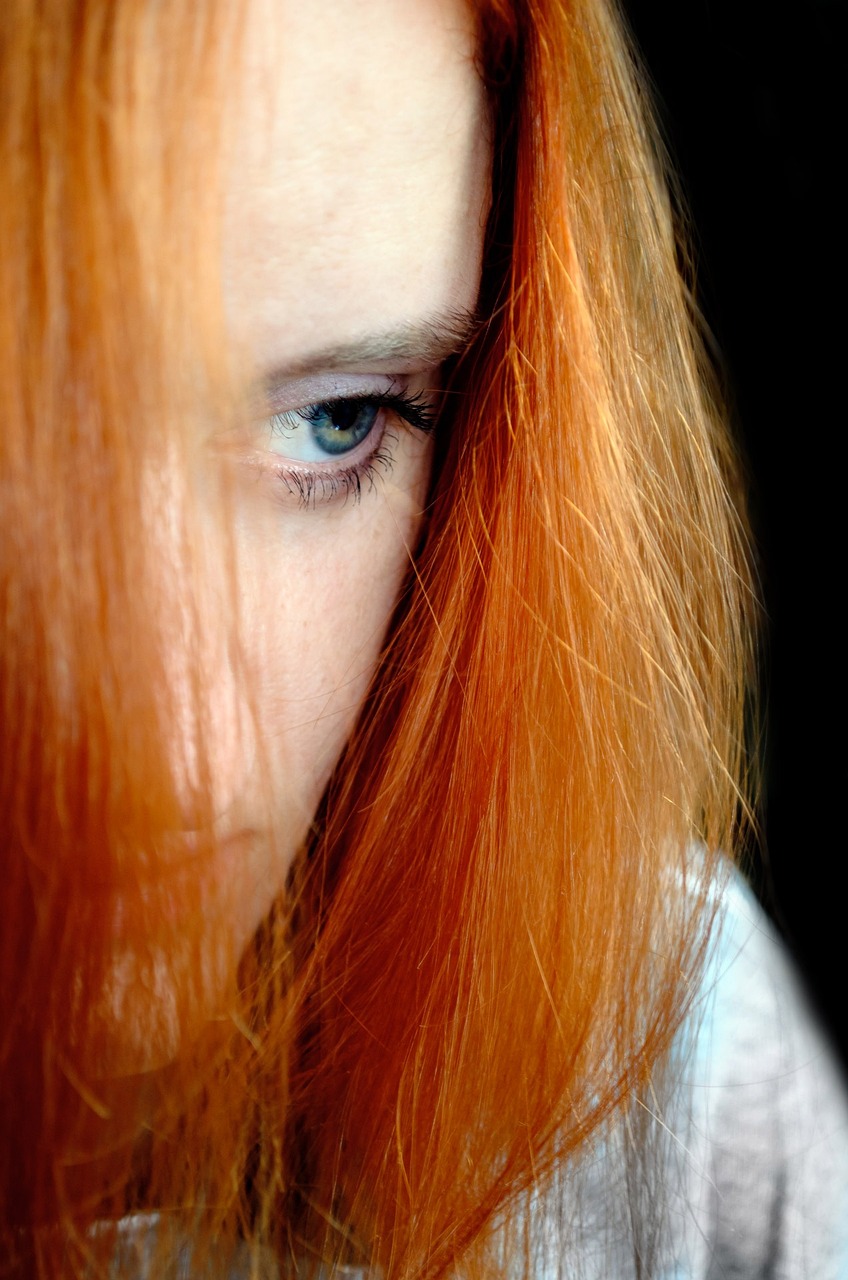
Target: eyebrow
(429, 342)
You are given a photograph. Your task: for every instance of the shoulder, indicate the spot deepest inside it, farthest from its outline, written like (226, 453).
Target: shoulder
(734, 1164)
(764, 1109)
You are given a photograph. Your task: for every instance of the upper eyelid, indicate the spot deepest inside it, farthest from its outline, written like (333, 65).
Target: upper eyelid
(300, 393)
(308, 391)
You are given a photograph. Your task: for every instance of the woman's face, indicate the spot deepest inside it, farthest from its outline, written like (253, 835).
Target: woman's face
(356, 200)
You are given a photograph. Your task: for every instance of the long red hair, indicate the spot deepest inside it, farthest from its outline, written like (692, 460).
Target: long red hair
(492, 936)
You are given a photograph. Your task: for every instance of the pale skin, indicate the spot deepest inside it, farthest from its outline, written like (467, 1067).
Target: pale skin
(357, 195)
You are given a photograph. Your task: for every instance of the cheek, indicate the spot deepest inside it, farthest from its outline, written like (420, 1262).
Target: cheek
(319, 649)
(315, 593)
(317, 600)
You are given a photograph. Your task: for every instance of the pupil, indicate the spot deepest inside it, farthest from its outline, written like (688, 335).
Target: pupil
(344, 415)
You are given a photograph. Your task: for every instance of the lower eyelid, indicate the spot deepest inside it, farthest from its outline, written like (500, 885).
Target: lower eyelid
(317, 486)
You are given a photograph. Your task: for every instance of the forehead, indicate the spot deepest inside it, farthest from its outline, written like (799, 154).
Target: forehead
(358, 177)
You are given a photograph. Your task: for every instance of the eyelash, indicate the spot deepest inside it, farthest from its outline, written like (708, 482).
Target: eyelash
(316, 485)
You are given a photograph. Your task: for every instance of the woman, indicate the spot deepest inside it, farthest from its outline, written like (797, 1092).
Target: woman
(377, 637)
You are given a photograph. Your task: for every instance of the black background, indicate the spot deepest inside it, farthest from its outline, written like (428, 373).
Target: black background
(750, 99)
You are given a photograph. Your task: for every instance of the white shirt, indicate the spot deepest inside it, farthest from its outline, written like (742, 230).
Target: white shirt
(747, 1175)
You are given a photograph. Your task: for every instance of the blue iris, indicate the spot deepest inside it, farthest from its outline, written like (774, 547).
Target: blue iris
(337, 426)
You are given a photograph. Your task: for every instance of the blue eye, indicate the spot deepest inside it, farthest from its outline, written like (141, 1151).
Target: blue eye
(327, 429)
(332, 428)
(339, 426)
